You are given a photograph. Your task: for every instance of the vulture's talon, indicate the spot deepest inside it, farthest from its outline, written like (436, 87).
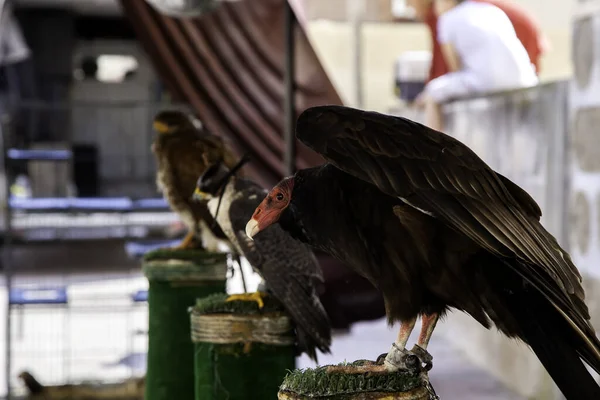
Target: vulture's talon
(396, 358)
(381, 358)
(424, 355)
(425, 358)
(416, 360)
(412, 362)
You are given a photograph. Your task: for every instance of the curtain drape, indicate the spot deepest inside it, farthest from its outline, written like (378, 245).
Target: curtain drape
(229, 65)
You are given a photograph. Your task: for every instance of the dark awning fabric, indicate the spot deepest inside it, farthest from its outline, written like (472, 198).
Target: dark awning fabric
(229, 66)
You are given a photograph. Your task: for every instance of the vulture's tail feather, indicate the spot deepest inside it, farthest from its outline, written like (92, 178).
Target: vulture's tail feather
(563, 364)
(557, 346)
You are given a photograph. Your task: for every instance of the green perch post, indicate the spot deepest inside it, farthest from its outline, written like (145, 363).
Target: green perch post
(176, 279)
(241, 352)
(317, 383)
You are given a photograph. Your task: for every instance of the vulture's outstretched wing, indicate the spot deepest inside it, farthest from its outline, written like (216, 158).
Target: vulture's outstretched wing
(289, 268)
(442, 177)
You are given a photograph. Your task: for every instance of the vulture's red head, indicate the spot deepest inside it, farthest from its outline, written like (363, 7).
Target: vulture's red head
(270, 209)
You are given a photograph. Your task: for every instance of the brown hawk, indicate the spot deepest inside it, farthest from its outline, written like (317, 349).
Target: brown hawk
(183, 150)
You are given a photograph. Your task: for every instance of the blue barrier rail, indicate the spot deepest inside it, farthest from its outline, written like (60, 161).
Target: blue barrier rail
(54, 295)
(109, 204)
(140, 296)
(39, 155)
(38, 295)
(151, 204)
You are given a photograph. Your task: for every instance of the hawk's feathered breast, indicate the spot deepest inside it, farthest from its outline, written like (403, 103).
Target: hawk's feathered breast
(182, 156)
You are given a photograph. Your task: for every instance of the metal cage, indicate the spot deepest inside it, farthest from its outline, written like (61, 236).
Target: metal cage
(76, 296)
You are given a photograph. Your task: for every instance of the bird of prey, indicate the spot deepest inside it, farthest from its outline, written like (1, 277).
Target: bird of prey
(288, 268)
(433, 227)
(33, 386)
(130, 388)
(183, 150)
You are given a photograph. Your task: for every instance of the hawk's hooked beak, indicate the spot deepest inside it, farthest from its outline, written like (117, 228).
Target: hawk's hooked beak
(200, 195)
(161, 127)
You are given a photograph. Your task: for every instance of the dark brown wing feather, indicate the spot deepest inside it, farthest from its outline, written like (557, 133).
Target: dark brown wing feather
(440, 176)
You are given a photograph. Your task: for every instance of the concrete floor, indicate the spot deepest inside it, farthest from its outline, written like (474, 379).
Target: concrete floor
(452, 376)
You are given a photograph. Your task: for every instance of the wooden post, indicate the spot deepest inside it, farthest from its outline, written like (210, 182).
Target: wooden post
(318, 383)
(176, 279)
(355, 10)
(241, 352)
(289, 103)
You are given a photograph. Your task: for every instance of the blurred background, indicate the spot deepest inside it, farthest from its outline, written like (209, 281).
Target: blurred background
(80, 81)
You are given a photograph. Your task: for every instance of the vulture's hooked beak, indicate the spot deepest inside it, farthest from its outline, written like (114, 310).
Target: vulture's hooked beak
(252, 228)
(200, 195)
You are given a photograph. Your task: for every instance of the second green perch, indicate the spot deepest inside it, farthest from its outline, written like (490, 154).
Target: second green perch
(241, 352)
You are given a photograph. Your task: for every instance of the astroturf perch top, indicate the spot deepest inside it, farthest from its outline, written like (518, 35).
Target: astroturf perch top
(317, 383)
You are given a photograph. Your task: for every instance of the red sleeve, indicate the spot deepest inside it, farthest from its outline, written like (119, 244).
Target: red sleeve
(438, 63)
(526, 27)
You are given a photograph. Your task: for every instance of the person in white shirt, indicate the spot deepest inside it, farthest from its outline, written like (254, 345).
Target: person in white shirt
(483, 54)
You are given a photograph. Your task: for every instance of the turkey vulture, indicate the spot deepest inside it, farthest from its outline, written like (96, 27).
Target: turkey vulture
(433, 227)
(289, 269)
